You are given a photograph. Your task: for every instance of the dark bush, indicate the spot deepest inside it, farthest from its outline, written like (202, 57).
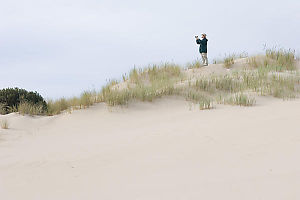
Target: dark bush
(10, 99)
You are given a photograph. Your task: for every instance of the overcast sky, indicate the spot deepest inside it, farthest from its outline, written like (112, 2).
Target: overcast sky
(62, 47)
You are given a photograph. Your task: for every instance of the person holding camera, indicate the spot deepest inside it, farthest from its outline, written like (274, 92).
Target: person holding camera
(203, 48)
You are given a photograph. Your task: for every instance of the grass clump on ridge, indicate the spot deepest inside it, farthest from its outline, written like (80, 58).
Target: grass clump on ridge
(30, 109)
(229, 61)
(283, 58)
(144, 85)
(195, 65)
(85, 100)
(275, 59)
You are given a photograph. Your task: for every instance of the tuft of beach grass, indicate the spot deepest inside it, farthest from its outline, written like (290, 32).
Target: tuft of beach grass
(4, 124)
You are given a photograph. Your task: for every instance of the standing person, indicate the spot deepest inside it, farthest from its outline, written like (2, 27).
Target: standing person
(203, 47)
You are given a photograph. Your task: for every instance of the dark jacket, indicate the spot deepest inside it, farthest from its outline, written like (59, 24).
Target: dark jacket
(203, 45)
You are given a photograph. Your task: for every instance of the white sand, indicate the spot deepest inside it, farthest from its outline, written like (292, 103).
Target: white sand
(157, 151)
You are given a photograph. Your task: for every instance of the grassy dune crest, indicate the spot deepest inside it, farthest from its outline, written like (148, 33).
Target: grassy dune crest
(272, 74)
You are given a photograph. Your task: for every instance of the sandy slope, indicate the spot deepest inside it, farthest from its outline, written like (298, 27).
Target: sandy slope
(161, 150)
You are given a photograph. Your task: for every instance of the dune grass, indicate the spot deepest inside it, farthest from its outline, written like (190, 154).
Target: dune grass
(240, 99)
(273, 74)
(268, 78)
(285, 59)
(144, 85)
(30, 109)
(229, 61)
(204, 100)
(85, 100)
(4, 124)
(195, 65)
(275, 59)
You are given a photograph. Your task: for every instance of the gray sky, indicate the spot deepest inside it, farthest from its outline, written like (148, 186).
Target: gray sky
(62, 47)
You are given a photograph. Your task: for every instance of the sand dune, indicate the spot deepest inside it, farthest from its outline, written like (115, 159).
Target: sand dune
(162, 150)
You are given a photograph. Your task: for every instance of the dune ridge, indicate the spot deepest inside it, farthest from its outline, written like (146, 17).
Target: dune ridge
(162, 149)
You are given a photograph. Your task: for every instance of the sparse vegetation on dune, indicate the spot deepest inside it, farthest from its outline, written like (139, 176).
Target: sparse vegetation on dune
(229, 61)
(276, 77)
(4, 124)
(86, 99)
(144, 84)
(273, 74)
(283, 58)
(204, 100)
(240, 100)
(195, 65)
(275, 59)
(30, 109)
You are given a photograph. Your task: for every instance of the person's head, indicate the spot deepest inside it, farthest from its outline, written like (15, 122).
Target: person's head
(203, 35)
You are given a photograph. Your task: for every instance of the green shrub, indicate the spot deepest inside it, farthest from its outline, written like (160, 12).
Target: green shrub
(3, 108)
(10, 99)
